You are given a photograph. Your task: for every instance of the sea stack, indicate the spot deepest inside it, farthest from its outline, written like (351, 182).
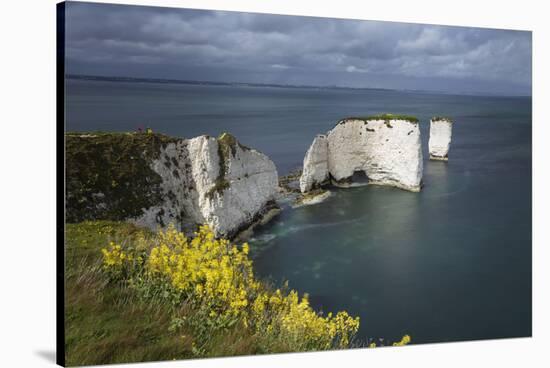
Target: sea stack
(383, 150)
(315, 171)
(154, 180)
(441, 129)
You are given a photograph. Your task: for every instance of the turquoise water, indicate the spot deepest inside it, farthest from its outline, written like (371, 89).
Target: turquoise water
(452, 262)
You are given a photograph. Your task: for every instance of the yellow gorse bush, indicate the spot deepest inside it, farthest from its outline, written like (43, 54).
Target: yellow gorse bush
(114, 256)
(212, 270)
(404, 341)
(217, 277)
(298, 319)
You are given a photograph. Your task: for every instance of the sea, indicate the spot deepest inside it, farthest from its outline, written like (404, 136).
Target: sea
(450, 263)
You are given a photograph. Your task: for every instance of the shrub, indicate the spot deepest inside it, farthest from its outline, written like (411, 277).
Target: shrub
(217, 280)
(404, 341)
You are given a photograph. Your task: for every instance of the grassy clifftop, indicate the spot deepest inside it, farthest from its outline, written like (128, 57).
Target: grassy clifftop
(442, 118)
(384, 117)
(134, 295)
(109, 175)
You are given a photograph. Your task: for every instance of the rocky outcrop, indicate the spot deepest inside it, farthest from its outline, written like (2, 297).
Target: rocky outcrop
(441, 130)
(384, 149)
(315, 172)
(312, 197)
(203, 180)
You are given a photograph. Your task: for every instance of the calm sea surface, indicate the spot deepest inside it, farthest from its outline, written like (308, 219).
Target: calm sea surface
(450, 263)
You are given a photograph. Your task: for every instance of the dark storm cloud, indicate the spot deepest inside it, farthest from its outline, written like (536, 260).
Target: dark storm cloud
(230, 46)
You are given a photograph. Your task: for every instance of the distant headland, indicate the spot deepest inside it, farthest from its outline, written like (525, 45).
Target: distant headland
(104, 78)
(209, 83)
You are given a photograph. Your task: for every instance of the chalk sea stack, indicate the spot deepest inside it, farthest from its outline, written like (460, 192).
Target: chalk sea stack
(383, 150)
(315, 171)
(441, 129)
(153, 180)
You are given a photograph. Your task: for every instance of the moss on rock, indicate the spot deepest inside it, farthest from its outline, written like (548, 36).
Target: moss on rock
(219, 187)
(385, 117)
(442, 118)
(227, 149)
(109, 175)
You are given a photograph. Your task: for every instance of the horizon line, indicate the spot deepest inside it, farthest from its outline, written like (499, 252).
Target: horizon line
(273, 85)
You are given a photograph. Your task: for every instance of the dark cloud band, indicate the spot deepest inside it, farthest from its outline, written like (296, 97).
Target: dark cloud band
(231, 46)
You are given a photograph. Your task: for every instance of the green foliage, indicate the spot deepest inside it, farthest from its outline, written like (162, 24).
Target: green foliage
(442, 118)
(109, 175)
(227, 148)
(217, 280)
(220, 185)
(385, 117)
(136, 308)
(105, 322)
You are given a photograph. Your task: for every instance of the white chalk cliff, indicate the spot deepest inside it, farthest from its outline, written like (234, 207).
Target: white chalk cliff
(315, 171)
(386, 149)
(212, 181)
(441, 130)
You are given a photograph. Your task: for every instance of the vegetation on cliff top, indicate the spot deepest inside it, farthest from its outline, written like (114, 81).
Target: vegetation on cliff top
(442, 118)
(109, 175)
(135, 295)
(215, 278)
(385, 117)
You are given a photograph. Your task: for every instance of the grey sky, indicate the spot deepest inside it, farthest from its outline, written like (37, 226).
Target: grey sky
(136, 41)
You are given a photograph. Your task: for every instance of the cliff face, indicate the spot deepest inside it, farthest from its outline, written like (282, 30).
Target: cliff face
(386, 150)
(243, 187)
(202, 180)
(441, 130)
(315, 171)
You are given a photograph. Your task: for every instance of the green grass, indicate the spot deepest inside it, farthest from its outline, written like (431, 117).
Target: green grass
(442, 118)
(385, 117)
(106, 323)
(109, 322)
(109, 175)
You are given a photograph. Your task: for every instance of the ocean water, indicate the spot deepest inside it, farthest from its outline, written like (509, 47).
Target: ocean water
(450, 263)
